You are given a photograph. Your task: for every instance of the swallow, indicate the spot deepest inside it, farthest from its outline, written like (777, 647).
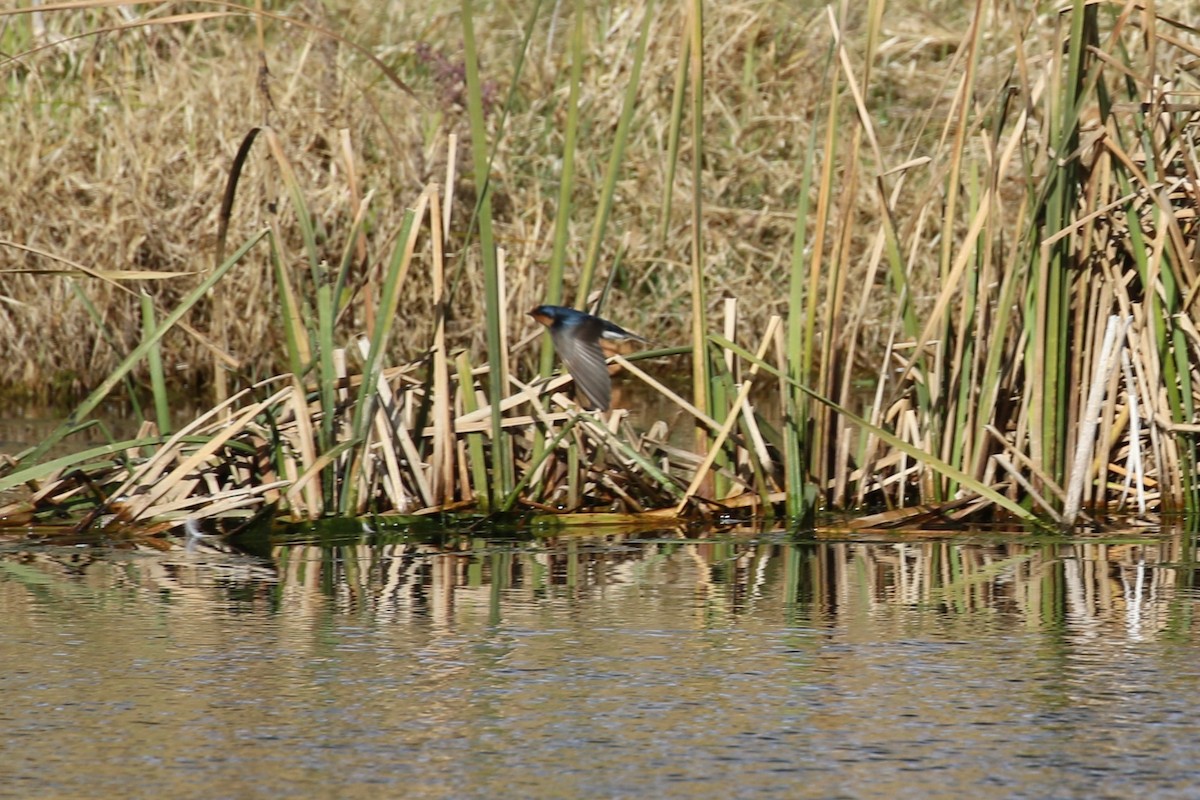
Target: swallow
(581, 340)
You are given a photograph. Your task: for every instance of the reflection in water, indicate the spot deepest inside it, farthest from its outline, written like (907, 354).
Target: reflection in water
(1088, 587)
(600, 666)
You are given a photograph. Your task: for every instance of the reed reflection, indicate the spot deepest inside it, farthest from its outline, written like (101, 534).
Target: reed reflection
(1138, 590)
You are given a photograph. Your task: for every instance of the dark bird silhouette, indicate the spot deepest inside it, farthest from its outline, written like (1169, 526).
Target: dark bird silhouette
(581, 340)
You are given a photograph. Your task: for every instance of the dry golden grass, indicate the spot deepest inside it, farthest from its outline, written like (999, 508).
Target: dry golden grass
(119, 146)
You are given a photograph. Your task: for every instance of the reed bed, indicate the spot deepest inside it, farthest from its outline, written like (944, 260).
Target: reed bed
(262, 450)
(1011, 267)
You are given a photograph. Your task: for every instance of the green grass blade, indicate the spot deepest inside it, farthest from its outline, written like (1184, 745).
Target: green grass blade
(45, 469)
(615, 160)
(106, 334)
(501, 477)
(364, 407)
(677, 96)
(158, 383)
(295, 333)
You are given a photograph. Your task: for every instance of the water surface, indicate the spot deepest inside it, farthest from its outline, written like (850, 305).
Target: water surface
(647, 665)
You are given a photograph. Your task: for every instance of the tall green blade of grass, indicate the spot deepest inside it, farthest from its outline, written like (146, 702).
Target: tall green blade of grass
(364, 406)
(943, 431)
(817, 417)
(290, 316)
(1161, 266)
(158, 383)
(1180, 364)
(961, 379)
(1164, 334)
(838, 378)
(562, 217)
(98, 319)
(321, 339)
(994, 343)
(350, 254)
(566, 181)
(989, 327)
(326, 390)
(800, 345)
(1050, 294)
(303, 217)
(677, 97)
(615, 159)
(501, 465)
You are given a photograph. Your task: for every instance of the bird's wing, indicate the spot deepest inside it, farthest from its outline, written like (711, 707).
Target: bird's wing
(585, 362)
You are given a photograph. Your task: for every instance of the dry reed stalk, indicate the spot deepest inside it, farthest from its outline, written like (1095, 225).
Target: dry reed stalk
(137, 505)
(1019, 478)
(394, 409)
(664, 391)
(1044, 481)
(305, 446)
(442, 477)
(217, 504)
(151, 470)
(719, 442)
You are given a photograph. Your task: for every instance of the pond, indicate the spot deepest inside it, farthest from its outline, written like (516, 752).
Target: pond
(600, 664)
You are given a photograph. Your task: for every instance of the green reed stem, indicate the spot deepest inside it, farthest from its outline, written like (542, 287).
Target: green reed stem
(815, 418)
(537, 461)
(364, 407)
(677, 96)
(497, 382)
(800, 346)
(327, 390)
(294, 332)
(102, 326)
(562, 217)
(158, 383)
(615, 159)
